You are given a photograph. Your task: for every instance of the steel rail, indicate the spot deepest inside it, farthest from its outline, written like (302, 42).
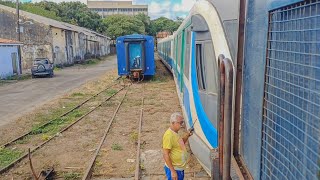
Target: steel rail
(66, 128)
(137, 171)
(63, 115)
(88, 172)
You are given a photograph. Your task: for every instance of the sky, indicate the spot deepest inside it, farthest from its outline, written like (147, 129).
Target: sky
(157, 8)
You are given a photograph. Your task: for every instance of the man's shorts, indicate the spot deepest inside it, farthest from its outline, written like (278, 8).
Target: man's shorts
(179, 173)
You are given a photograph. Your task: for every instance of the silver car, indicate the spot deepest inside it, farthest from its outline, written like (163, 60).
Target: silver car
(42, 67)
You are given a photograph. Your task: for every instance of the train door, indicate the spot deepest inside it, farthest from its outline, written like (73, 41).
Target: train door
(206, 69)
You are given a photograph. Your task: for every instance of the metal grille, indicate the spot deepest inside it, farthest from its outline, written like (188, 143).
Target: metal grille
(291, 117)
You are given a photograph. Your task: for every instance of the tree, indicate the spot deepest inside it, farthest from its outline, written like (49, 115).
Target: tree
(120, 25)
(145, 19)
(164, 24)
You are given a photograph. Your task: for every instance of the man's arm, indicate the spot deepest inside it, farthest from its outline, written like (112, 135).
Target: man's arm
(167, 159)
(186, 136)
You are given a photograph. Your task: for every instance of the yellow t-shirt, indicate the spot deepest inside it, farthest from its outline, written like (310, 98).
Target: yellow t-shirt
(178, 152)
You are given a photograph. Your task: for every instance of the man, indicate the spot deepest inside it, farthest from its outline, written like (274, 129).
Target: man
(174, 150)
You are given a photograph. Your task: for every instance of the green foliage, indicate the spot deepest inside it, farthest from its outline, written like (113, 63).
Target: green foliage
(57, 124)
(77, 13)
(111, 92)
(164, 24)
(120, 25)
(7, 156)
(116, 147)
(33, 8)
(71, 176)
(77, 94)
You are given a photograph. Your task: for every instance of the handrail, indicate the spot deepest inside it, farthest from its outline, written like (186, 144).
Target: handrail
(225, 119)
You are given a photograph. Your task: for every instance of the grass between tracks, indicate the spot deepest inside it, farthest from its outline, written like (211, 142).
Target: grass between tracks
(7, 156)
(41, 133)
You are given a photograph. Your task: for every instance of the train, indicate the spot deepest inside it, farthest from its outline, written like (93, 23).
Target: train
(273, 48)
(135, 56)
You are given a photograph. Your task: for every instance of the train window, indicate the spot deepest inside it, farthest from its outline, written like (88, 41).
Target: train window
(211, 67)
(200, 67)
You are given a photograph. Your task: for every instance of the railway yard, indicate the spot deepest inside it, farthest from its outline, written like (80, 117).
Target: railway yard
(108, 128)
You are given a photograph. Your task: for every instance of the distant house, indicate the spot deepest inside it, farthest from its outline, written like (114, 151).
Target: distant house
(163, 34)
(61, 43)
(9, 58)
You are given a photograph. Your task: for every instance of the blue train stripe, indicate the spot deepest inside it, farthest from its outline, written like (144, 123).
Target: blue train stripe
(208, 129)
(186, 104)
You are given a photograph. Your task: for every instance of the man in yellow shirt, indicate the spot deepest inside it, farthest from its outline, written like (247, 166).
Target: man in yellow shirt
(174, 150)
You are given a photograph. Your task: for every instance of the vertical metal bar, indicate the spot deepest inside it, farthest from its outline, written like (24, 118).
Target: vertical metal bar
(220, 111)
(221, 120)
(238, 89)
(226, 91)
(240, 55)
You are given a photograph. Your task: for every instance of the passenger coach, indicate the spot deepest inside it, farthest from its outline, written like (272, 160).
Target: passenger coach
(135, 54)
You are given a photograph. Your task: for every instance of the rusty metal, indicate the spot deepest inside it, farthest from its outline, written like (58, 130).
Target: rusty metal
(31, 166)
(228, 118)
(66, 128)
(88, 173)
(225, 121)
(220, 111)
(237, 108)
(240, 56)
(63, 115)
(137, 171)
(221, 119)
(214, 155)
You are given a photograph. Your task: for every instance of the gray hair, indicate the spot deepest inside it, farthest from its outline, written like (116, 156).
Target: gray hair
(174, 117)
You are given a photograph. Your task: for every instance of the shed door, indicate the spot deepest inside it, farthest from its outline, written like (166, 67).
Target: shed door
(14, 62)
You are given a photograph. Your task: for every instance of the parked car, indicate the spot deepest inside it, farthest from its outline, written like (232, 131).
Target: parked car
(42, 67)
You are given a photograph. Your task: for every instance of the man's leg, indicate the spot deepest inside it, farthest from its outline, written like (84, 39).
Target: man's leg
(180, 175)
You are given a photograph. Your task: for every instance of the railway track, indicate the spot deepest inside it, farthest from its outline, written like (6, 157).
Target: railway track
(137, 173)
(31, 134)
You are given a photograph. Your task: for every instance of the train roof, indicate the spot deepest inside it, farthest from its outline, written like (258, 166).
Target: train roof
(134, 36)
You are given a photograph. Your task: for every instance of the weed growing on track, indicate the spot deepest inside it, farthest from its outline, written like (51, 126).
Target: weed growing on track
(111, 92)
(71, 176)
(56, 125)
(23, 140)
(77, 94)
(134, 136)
(7, 156)
(116, 147)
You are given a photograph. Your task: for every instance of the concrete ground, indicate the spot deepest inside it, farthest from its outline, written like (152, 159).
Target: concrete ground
(22, 97)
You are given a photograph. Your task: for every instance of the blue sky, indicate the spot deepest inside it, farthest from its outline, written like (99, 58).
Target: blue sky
(157, 8)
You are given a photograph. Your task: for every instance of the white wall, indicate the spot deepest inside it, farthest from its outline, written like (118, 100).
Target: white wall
(6, 68)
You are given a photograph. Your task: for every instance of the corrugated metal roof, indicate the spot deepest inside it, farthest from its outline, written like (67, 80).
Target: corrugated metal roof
(52, 22)
(9, 41)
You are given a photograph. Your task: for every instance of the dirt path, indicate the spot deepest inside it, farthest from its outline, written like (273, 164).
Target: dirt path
(22, 97)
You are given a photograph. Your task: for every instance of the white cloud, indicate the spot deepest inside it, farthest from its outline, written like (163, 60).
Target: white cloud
(185, 6)
(159, 9)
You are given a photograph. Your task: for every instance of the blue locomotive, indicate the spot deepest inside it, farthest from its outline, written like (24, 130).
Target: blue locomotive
(135, 55)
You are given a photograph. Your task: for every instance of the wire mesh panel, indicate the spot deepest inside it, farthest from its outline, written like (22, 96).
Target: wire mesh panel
(291, 117)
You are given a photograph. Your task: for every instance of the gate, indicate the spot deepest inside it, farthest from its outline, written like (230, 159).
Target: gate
(291, 109)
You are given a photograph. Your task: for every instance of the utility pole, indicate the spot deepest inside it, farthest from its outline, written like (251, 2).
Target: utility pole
(18, 34)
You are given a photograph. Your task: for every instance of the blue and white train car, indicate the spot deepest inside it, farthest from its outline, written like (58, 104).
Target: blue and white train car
(135, 54)
(191, 54)
(275, 46)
